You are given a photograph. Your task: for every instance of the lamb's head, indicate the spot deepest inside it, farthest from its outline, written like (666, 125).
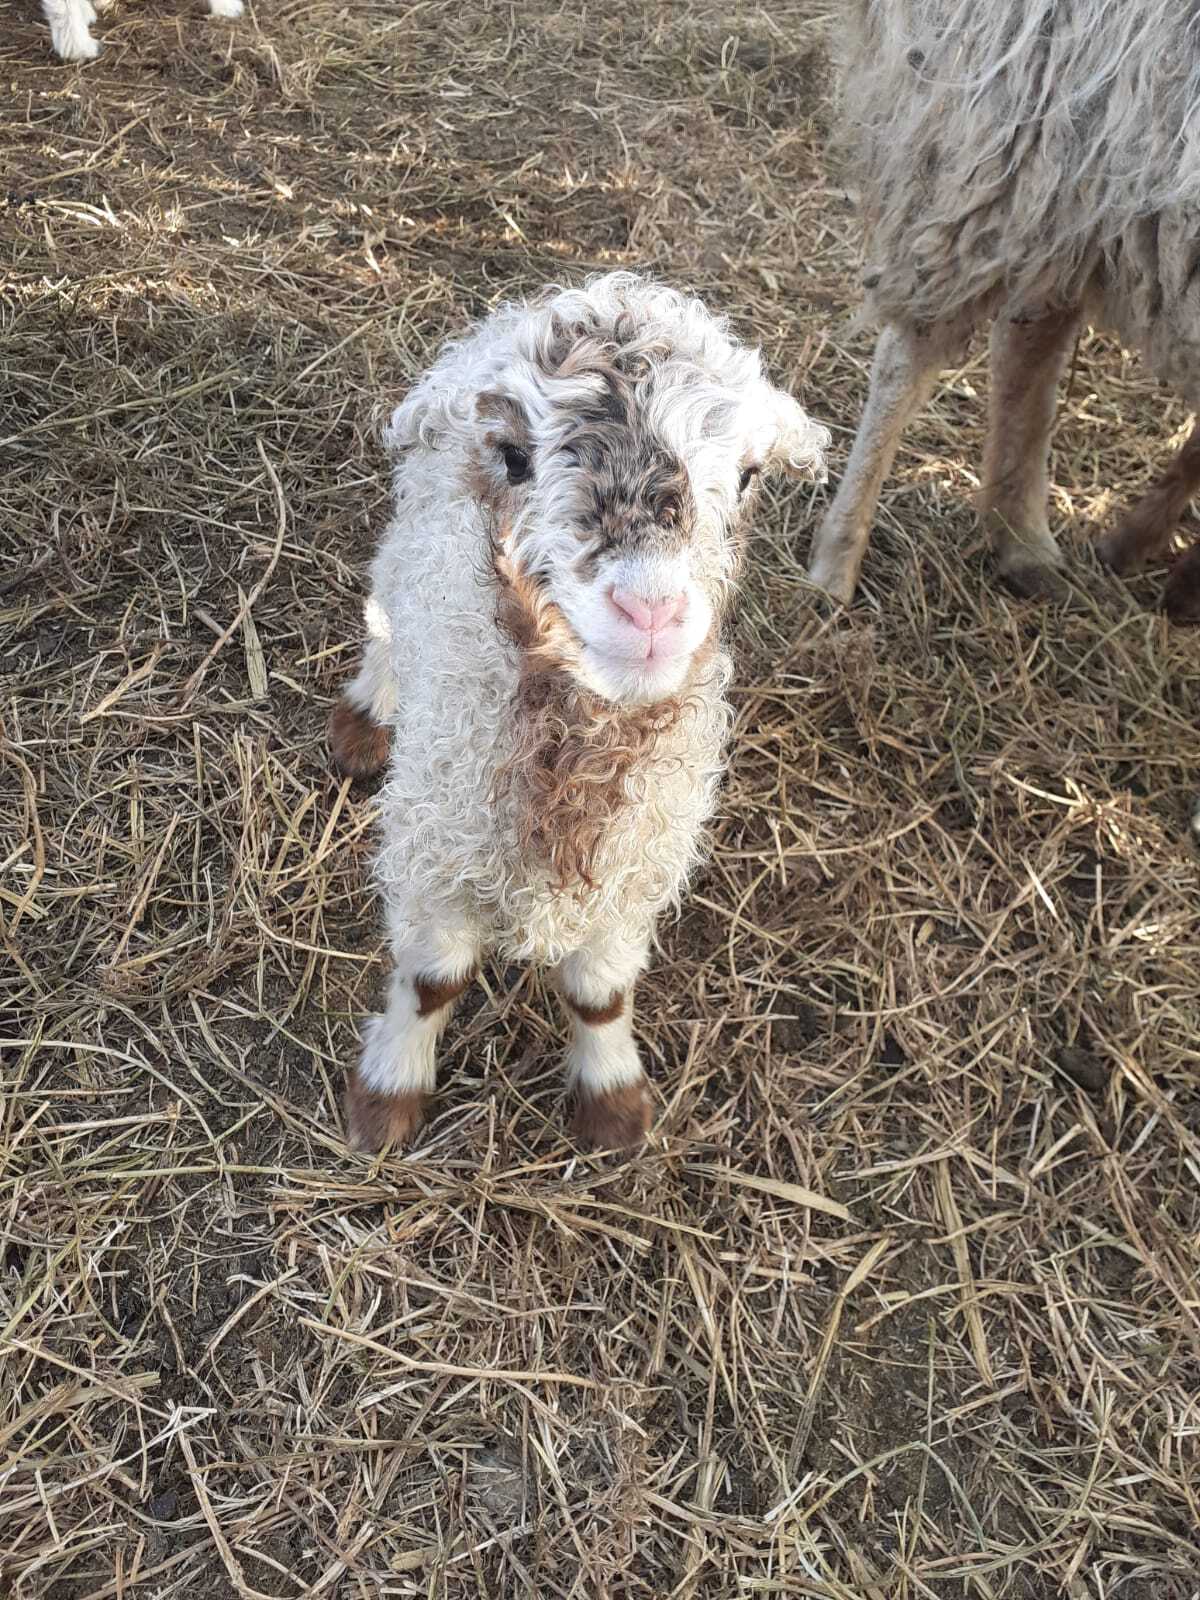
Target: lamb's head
(616, 437)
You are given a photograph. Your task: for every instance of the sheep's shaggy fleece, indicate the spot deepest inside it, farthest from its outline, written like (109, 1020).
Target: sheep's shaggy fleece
(458, 826)
(1005, 146)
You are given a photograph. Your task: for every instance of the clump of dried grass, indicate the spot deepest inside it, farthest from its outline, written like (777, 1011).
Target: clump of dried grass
(903, 1300)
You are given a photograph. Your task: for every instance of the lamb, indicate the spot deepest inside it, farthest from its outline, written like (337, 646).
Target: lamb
(1032, 162)
(71, 25)
(572, 487)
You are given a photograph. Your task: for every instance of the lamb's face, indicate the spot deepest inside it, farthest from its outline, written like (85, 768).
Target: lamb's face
(620, 509)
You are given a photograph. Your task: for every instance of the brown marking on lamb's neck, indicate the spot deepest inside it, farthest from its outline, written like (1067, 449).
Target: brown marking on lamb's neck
(574, 751)
(435, 993)
(597, 1016)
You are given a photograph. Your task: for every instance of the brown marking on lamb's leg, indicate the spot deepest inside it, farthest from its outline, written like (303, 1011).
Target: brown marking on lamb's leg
(359, 746)
(1144, 532)
(1027, 358)
(434, 994)
(905, 369)
(596, 1016)
(375, 1119)
(616, 1119)
(386, 1095)
(1181, 597)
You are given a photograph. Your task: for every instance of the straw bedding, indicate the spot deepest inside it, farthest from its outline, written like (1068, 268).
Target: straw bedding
(902, 1301)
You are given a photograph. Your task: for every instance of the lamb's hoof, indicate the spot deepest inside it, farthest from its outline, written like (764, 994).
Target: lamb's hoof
(76, 43)
(359, 746)
(375, 1119)
(226, 8)
(1181, 597)
(1034, 579)
(618, 1119)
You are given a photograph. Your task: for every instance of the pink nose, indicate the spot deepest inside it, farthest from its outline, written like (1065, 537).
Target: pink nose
(649, 616)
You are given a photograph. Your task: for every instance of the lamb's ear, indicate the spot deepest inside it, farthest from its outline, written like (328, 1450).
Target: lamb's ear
(798, 444)
(422, 417)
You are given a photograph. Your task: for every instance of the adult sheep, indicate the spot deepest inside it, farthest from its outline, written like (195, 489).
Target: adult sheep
(571, 493)
(1034, 162)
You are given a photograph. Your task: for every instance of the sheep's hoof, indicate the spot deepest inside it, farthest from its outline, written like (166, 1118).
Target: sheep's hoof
(1181, 597)
(1036, 579)
(618, 1119)
(1123, 550)
(375, 1119)
(359, 746)
(834, 580)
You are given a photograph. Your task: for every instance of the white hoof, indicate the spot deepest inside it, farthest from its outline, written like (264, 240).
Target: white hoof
(831, 576)
(73, 42)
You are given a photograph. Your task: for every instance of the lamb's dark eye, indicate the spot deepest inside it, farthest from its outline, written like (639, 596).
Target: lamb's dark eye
(748, 474)
(666, 513)
(516, 463)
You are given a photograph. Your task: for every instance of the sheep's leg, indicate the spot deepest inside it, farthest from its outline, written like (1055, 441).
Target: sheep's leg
(612, 1100)
(360, 726)
(226, 8)
(70, 29)
(1181, 597)
(903, 374)
(1145, 531)
(1027, 358)
(388, 1091)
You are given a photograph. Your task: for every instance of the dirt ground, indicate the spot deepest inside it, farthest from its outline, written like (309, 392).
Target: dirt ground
(903, 1299)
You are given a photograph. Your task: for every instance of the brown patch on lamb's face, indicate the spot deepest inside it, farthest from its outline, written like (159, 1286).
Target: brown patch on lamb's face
(632, 491)
(497, 476)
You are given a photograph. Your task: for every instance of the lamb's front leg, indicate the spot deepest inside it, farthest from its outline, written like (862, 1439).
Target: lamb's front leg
(389, 1089)
(71, 29)
(612, 1098)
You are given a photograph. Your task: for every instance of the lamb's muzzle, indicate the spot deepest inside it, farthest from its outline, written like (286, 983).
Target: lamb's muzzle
(572, 485)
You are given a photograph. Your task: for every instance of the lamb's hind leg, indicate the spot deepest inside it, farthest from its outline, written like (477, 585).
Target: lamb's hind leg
(387, 1092)
(903, 373)
(1027, 358)
(71, 29)
(360, 725)
(612, 1101)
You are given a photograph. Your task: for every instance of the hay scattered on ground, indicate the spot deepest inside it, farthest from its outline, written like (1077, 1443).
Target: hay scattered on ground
(903, 1299)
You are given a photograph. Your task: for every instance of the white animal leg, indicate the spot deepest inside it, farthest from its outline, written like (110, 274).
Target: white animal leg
(1027, 358)
(613, 1106)
(388, 1091)
(226, 8)
(70, 29)
(903, 374)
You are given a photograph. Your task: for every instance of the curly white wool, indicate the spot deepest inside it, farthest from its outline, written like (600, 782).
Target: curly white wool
(448, 840)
